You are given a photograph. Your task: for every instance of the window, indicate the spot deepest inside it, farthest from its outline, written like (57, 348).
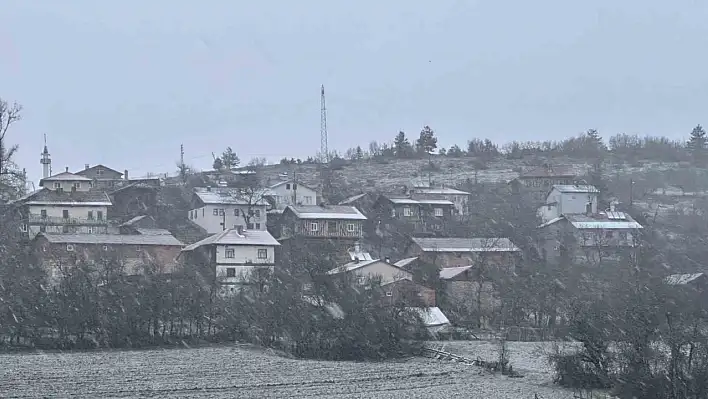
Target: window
(393, 212)
(231, 272)
(331, 226)
(42, 229)
(262, 254)
(138, 248)
(438, 212)
(258, 213)
(249, 226)
(99, 215)
(287, 186)
(230, 253)
(361, 280)
(43, 212)
(216, 212)
(221, 212)
(314, 226)
(57, 185)
(258, 226)
(351, 227)
(407, 211)
(65, 229)
(236, 212)
(99, 172)
(23, 228)
(105, 247)
(308, 200)
(77, 185)
(202, 212)
(196, 213)
(65, 213)
(90, 230)
(69, 248)
(90, 215)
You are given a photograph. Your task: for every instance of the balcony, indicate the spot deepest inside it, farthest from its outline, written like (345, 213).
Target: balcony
(54, 220)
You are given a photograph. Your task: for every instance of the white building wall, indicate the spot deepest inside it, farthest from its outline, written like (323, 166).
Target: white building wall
(210, 222)
(56, 212)
(283, 194)
(67, 185)
(242, 254)
(566, 203)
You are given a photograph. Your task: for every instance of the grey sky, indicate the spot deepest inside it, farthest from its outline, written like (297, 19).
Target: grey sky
(125, 82)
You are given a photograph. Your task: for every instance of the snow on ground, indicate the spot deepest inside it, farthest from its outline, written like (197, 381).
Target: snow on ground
(246, 372)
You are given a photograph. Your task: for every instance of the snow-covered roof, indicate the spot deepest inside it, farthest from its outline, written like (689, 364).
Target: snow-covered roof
(233, 237)
(112, 239)
(405, 262)
(448, 273)
(421, 201)
(432, 317)
(153, 232)
(682, 279)
(440, 190)
(466, 244)
(280, 183)
(348, 267)
(604, 221)
(65, 176)
(579, 189)
(352, 199)
(344, 212)
(216, 196)
(133, 220)
(46, 196)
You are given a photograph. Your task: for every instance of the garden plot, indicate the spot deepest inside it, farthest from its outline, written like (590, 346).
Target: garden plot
(246, 372)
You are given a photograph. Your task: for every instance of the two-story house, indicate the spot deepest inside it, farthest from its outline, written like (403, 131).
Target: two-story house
(289, 192)
(425, 214)
(459, 198)
(323, 222)
(569, 199)
(589, 238)
(131, 253)
(234, 254)
(217, 209)
(537, 181)
(494, 253)
(66, 204)
(102, 176)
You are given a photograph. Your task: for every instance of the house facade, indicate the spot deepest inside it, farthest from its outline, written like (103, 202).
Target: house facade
(289, 192)
(498, 253)
(589, 238)
(234, 254)
(364, 270)
(103, 176)
(537, 181)
(323, 222)
(459, 198)
(569, 199)
(217, 209)
(130, 253)
(408, 292)
(65, 204)
(425, 214)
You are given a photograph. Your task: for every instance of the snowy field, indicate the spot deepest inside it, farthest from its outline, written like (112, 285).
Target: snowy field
(244, 372)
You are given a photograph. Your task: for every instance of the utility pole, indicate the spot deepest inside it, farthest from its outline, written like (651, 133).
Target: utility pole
(323, 129)
(181, 155)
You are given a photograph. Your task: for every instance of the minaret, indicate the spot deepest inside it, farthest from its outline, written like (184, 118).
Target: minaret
(46, 161)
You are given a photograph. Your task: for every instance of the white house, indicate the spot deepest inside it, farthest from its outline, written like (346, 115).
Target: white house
(288, 192)
(458, 197)
(370, 269)
(218, 209)
(234, 253)
(569, 199)
(66, 204)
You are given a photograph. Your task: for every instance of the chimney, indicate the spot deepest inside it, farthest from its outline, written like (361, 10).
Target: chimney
(67, 169)
(612, 206)
(125, 174)
(86, 167)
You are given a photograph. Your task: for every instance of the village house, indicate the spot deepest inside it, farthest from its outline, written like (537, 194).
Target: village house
(408, 292)
(289, 192)
(65, 204)
(468, 290)
(131, 253)
(537, 181)
(459, 198)
(363, 270)
(499, 253)
(323, 222)
(569, 199)
(103, 176)
(591, 238)
(425, 214)
(217, 209)
(234, 254)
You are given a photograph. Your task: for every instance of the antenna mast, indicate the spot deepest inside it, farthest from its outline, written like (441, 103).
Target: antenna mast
(324, 152)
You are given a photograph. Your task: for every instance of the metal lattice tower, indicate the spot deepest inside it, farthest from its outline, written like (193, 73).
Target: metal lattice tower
(324, 152)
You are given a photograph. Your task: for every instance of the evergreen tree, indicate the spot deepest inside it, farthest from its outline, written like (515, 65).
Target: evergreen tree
(697, 143)
(401, 145)
(427, 141)
(229, 159)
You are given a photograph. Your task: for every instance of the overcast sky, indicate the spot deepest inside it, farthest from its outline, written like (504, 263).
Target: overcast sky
(124, 83)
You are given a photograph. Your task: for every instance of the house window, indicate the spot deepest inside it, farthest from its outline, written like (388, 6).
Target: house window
(138, 249)
(351, 227)
(231, 272)
(258, 226)
(287, 186)
(43, 212)
(257, 213)
(216, 212)
(65, 213)
(221, 212)
(90, 230)
(105, 247)
(230, 253)
(69, 248)
(331, 226)
(65, 229)
(77, 185)
(361, 280)
(90, 215)
(57, 185)
(23, 228)
(99, 172)
(308, 199)
(236, 212)
(262, 254)
(249, 226)
(314, 226)
(407, 211)
(393, 212)
(202, 212)
(99, 215)
(438, 212)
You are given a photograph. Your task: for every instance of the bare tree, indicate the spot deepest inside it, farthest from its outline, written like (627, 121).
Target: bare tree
(9, 114)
